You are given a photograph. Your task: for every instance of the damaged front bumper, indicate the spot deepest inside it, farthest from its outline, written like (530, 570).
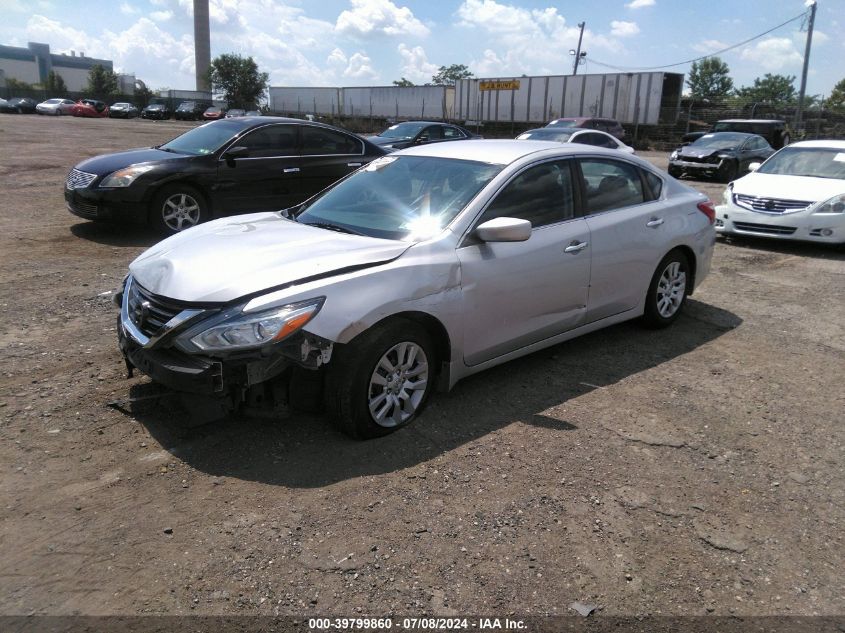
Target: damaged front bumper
(230, 375)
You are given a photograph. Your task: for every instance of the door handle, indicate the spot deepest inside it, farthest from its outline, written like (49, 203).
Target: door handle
(654, 222)
(291, 170)
(354, 164)
(575, 247)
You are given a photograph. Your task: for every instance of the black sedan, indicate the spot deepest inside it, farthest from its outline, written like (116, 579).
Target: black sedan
(190, 111)
(123, 110)
(156, 111)
(411, 133)
(725, 155)
(19, 105)
(221, 168)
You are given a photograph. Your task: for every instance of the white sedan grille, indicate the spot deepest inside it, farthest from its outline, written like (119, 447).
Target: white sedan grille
(770, 205)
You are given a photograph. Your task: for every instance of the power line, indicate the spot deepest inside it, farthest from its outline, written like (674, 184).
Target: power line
(719, 52)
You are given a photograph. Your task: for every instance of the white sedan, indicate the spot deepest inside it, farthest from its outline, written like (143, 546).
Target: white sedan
(55, 107)
(797, 194)
(584, 136)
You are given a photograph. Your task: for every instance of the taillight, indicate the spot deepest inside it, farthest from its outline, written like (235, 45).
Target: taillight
(709, 210)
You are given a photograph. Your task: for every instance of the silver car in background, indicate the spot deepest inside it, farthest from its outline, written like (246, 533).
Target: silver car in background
(55, 107)
(419, 269)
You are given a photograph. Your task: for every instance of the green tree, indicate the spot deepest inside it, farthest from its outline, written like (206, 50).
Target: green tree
(238, 79)
(403, 83)
(710, 78)
(770, 89)
(143, 96)
(16, 84)
(55, 86)
(102, 82)
(448, 75)
(836, 100)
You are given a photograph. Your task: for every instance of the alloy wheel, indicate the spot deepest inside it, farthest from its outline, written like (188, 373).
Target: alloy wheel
(180, 211)
(398, 384)
(671, 289)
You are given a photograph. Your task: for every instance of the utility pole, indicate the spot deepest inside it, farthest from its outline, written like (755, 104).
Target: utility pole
(810, 22)
(577, 52)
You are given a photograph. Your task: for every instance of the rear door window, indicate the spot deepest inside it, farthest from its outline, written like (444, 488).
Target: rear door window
(610, 184)
(318, 141)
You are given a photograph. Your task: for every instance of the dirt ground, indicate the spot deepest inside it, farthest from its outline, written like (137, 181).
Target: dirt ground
(696, 470)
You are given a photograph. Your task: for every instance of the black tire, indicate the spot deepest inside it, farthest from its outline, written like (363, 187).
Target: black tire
(728, 171)
(350, 387)
(184, 200)
(665, 299)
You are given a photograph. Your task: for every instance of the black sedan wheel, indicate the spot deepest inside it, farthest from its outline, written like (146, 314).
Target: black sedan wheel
(176, 208)
(728, 171)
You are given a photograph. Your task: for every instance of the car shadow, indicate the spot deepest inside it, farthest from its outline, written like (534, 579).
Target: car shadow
(305, 451)
(115, 234)
(804, 249)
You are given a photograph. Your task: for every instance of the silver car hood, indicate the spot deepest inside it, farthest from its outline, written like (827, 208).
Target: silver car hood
(230, 258)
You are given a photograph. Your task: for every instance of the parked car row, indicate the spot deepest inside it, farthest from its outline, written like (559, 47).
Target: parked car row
(94, 108)
(432, 236)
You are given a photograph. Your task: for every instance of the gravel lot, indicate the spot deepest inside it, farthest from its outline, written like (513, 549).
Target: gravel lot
(697, 470)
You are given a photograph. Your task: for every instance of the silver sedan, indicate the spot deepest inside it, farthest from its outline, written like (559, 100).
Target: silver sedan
(421, 268)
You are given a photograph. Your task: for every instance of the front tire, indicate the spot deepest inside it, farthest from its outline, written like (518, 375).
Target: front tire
(728, 171)
(381, 381)
(667, 292)
(176, 208)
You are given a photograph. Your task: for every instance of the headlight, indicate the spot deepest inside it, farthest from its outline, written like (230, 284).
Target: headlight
(726, 195)
(673, 155)
(125, 177)
(835, 205)
(243, 331)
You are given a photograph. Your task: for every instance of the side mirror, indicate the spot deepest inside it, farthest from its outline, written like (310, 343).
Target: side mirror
(754, 166)
(504, 230)
(422, 139)
(239, 151)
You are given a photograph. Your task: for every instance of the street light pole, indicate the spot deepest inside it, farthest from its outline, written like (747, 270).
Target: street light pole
(810, 22)
(581, 25)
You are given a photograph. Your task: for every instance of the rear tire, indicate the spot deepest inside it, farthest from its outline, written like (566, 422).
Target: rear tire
(667, 292)
(381, 380)
(176, 208)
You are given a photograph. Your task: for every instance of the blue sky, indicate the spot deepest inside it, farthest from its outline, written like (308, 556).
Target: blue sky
(373, 42)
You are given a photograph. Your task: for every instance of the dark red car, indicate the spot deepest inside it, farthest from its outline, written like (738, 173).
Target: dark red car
(90, 108)
(213, 113)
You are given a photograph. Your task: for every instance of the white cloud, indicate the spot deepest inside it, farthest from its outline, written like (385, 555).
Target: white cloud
(61, 38)
(360, 67)
(161, 16)
(639, 4)
(415, 64)
(774, 54)
(529, 41)
(621, 28)
(128, 9)
(376, 17)
(709, 46)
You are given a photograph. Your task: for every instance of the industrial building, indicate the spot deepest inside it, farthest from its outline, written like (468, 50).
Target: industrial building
(33, 63)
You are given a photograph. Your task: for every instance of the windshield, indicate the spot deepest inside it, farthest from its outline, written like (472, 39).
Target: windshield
(205, 139)
(400, 197)
(817, 162)
(121, 105)
(560, 136)
(403, 130)
(724, 140)
(53, 101)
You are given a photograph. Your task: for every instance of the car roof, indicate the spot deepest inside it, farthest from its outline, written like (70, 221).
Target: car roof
(830, 143)
(500, 152)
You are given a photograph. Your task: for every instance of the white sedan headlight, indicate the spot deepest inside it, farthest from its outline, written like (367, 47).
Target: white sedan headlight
(244, 331)
(125, 177)
(834, 206)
